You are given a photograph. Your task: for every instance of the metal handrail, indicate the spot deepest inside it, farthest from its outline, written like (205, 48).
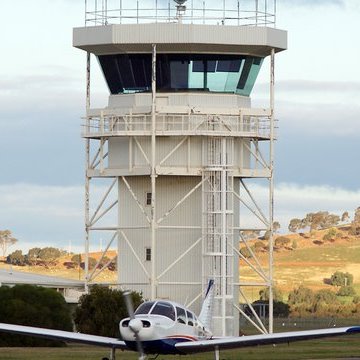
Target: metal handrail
(108, 125)
(235, 12)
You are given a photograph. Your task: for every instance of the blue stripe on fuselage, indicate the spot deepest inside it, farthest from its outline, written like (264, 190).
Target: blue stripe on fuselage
(161, 346)
(353, 329)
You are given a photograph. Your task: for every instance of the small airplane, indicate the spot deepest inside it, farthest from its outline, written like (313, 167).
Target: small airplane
(165, 328)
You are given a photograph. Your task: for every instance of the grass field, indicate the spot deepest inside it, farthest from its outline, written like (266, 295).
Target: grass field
(309, 265)
(335, 348)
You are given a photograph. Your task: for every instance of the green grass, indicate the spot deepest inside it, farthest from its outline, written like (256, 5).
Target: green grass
(335, 348)
(326, 253)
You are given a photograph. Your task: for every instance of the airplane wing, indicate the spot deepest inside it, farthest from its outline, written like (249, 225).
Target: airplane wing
(263, 339)
(63, 335)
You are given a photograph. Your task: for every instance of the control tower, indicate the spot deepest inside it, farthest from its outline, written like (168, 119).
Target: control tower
(174, 148)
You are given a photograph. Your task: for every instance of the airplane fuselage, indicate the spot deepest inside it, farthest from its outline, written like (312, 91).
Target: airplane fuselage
(160, 325)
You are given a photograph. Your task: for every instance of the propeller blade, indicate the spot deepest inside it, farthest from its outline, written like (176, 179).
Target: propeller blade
(129, 304)
(134, 329)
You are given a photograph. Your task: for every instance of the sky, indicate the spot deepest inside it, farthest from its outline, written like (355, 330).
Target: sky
(42, 100)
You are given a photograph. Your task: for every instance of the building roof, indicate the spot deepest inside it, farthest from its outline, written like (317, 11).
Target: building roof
(180, 38)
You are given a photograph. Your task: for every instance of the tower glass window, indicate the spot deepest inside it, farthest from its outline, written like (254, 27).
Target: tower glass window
(130, 73)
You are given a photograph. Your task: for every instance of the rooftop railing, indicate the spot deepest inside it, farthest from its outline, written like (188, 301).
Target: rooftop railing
(211, 12)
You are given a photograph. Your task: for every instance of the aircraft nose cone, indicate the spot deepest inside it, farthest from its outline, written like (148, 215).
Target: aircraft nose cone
(135, 325)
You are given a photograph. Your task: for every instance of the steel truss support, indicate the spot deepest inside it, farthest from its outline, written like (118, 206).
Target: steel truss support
(247, 198)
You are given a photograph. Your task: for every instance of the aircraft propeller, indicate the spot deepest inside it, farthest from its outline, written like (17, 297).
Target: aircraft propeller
(135, 324)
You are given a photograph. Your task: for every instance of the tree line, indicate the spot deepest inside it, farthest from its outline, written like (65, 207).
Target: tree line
(50, 256)
(97, 313)
(304, 302)
(323, 219)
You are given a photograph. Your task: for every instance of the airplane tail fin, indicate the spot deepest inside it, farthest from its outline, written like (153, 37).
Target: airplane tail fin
(207, 307)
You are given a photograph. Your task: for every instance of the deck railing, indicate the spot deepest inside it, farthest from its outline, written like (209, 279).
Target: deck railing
(177, 124)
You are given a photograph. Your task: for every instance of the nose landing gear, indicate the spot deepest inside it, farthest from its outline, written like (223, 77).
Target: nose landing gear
(112, 355)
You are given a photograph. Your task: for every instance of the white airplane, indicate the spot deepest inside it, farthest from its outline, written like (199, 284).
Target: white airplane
(164, 327)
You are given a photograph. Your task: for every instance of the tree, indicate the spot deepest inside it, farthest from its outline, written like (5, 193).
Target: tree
(267, 235)
(301, 295)
(16, 258)
(6, 240)
(100, 311)
(76, 259)
(33, 306)
(277, 294)
(33, 255)
(92, 263)
(341, 279)
(113, 265)
(295, 225)
(345, 216)
(104, 261)
(49, 254)
(330, 220)
(320, 220)
(276, 226)
(280, 308)
(355, 224)
(250, 234)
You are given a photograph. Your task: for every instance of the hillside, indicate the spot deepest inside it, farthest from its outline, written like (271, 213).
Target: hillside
(309, 262)
(312, 261)
(62, 269)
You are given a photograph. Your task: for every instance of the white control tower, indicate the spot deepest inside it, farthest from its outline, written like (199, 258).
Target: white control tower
(177, 144)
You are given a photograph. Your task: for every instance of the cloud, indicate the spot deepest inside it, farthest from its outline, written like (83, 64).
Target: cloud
(54, 216)
(45, 215)
(301, 86)
(324, 108)
(293, 200)
(325, 120)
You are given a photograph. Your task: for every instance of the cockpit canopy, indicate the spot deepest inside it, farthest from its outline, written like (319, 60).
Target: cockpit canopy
(170, 310)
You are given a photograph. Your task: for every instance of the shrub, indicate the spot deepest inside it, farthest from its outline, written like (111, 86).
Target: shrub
(259, 246)
(325, 296)
(282, 241)
(76, 259)
(33, 306)
(100, 311)
(277, 294)
(301, 295)
(16, 258)
(245, 252)
(341, 279)
(330, 235)
(346, 291)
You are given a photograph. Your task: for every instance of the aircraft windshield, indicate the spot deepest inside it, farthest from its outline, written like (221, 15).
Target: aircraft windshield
(144, 308)
(164, 309)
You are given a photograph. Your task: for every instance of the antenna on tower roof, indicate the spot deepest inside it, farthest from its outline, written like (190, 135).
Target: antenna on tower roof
(180, 9)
